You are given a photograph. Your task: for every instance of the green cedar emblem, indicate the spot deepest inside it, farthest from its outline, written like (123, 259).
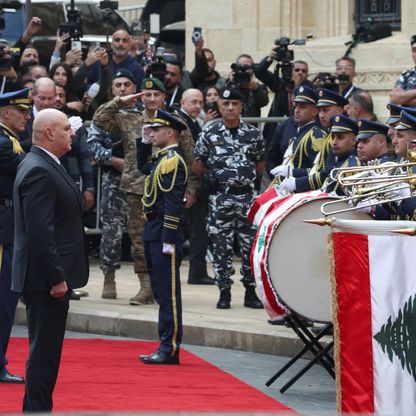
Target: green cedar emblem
(399, 337)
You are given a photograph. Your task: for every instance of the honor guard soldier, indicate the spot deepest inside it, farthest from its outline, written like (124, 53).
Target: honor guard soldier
(343, 137)
(303, 148)
(14, 113)
(329, 104)
(163, 202)
(229, 153)
(372, 142)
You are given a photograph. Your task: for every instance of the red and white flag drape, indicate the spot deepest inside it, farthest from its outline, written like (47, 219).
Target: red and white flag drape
(374, 312)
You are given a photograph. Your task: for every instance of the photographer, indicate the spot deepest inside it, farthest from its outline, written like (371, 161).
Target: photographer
(292, 75)
(345, 71)
(255, 95)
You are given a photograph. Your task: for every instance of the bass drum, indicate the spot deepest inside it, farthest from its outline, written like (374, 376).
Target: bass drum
(297, 260)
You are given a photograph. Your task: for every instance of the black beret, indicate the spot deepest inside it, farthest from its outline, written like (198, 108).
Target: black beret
(124, 73)
(230, 94)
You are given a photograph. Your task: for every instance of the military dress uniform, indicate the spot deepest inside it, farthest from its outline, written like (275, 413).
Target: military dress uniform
(304, 147)
(231, 158)
(11, 154)
(317, 175)
(163, 204)
(340, 124)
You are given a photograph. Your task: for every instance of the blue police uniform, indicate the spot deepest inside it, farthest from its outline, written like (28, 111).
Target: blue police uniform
(11, 154)
(320, 170)
(162, 205)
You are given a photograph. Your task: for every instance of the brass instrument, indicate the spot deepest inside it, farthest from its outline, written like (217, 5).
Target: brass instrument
(374, 185)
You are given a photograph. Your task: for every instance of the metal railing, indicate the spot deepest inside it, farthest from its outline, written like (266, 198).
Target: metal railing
(97, 230)
(378, 11)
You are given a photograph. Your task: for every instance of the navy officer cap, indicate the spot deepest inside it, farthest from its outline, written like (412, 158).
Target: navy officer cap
(124, 73)
(18, 99)
(305, 94)
(327, 98)
(407, 121)
(230, 94)
(395, 111)
(343, 124)
(367, 129)
(165, 119)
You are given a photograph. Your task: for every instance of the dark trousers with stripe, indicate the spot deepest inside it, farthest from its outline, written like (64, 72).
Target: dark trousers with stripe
(166, 286)
(8, 300)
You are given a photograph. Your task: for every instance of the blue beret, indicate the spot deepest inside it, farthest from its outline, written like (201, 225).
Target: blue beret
(367, 129)
(343, 124)
(153, 84)
(305, 94)
(327, 98)
(407, 121)
(165, 119)
(230, 94)
(124, 73)
(18, 98)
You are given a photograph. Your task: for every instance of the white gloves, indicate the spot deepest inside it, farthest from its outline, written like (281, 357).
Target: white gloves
(146, 134)
(402, 191)
(364, 206)
(168, 249)
(288, 185)
(282, 170)
(76, 122)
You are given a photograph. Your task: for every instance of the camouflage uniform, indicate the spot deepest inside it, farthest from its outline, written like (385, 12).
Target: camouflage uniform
(103, 145)
(127, 123)
(407, 80)
(231, 162)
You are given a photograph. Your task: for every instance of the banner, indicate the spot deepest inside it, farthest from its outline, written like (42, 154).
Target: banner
(374, 314)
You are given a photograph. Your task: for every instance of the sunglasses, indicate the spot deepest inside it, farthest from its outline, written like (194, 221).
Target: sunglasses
(124, 40)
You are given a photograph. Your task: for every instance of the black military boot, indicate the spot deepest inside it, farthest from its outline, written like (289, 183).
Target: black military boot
(225, 299)
(251, 300)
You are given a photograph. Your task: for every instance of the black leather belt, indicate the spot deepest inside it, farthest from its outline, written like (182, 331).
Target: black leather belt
(151, 215)
(233, 189)
(6, 202)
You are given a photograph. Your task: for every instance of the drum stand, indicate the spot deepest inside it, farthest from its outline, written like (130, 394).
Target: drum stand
(312, 344)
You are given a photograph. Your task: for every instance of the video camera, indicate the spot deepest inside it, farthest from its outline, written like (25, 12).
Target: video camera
(74, 24)
(241, 73)
(157, 65)
(284, 57)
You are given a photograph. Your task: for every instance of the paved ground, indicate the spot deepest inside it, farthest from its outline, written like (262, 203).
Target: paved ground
(313, 394)
(238, 340)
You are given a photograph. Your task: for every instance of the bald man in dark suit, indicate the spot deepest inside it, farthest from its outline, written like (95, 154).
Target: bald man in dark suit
(50, 256)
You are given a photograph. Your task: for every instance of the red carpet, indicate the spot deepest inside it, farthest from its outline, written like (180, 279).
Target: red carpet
(102, 375)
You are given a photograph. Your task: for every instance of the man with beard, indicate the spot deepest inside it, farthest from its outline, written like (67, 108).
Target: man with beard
(120, 59)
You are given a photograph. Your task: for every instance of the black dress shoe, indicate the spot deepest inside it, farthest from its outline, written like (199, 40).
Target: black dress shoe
(206, 280)
(6, 377)
(74, 296)
(277, 321)
(160, 357)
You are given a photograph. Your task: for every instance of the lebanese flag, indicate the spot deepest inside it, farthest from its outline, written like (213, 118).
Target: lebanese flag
(374, 315)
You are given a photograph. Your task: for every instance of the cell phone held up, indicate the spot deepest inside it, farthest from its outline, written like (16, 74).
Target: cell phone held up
(196, 34)
(213, 106)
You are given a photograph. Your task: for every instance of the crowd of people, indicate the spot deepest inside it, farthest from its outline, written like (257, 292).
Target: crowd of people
(177, 162)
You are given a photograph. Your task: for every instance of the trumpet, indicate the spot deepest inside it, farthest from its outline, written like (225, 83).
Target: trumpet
(374, 185)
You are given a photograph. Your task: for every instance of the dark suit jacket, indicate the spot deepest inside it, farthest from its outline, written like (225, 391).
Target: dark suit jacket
(49, 234)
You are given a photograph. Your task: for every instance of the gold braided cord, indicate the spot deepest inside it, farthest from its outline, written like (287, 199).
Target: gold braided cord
(324, 152)
(302, 148)
(15, 141)
(164, 166)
